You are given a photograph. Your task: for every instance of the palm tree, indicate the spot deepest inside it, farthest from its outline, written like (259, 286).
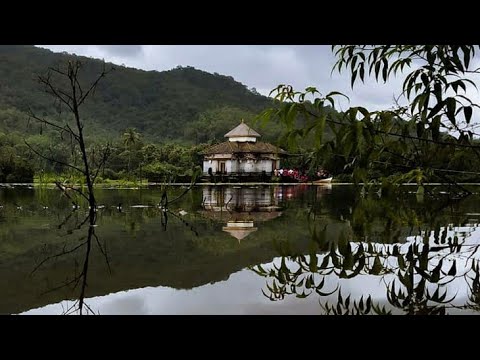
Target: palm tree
(130, 138)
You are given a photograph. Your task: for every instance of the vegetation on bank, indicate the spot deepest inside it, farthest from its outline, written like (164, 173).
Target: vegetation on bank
(177, 112)
(156, 124)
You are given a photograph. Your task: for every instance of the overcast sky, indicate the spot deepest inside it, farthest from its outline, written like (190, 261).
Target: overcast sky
(259, 66)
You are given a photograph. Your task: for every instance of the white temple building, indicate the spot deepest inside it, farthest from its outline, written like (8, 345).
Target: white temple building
(242, 154)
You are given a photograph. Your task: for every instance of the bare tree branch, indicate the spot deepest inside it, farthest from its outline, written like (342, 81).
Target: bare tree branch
(54, 92)
(66, 128)
(53, 160)
(58, 71)
(64, 188)
(104, 252)
(56, 256)
(105, 156)
(94, 85)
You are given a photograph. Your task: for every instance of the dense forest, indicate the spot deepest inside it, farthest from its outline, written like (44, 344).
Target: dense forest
(157, 124)
(155, 121)
(168, 105)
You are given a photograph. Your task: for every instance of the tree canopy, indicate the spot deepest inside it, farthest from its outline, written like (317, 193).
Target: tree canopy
(164, 106)
(432, 138)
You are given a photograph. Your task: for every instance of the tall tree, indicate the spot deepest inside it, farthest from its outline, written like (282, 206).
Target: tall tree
(69, 92)
(130, 138)
(405, 140)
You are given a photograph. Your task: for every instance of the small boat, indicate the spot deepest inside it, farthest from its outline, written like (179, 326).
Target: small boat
(322, 181)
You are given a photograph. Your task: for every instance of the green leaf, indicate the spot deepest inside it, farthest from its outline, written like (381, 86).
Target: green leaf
(420, 289)
(377, 266)
(453, 269)
(333, 93)
(302, 295)
(435, 128)
(261, 269)
(385, 69)
(467, 110)
(325, 263)
(354, 61)
(317, 290)
(435, 276)
(362, 72)
(360, 303)
(377, 70)
(354, 76)
(368, 304)
(451, 107)
(466, 56)
(425, 80)
(290, 117)
(436, 109)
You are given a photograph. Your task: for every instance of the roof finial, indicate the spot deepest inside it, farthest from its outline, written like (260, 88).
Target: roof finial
(242, 121)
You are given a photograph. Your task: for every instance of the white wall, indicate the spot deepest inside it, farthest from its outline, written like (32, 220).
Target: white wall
(243, 139)
(231, 166)
(264, 165)
(246, 166)
(207, 164)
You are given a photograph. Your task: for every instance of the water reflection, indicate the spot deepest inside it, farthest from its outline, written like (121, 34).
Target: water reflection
(252, 250)
(77, 244)
(434, 271)
(240, 208)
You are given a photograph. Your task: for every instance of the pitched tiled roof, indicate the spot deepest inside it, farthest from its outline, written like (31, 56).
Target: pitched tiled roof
(242, 130)
(229, 147)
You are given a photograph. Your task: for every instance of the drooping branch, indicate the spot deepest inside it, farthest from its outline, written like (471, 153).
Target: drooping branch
(65, 128)
(64, 189)
(54, 160)
(63, 252)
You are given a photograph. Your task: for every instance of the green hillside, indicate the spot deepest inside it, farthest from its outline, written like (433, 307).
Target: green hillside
(174, 113)
(169, 117)
(165, 106)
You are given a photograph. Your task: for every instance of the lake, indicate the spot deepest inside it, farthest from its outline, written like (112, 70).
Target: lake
(239, 250)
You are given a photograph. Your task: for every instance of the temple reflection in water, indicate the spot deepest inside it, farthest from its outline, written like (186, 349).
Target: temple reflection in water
(240, 208)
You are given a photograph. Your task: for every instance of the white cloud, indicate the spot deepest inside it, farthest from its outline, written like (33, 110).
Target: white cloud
(260, 66)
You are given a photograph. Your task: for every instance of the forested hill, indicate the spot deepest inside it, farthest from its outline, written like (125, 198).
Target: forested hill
(183, 104)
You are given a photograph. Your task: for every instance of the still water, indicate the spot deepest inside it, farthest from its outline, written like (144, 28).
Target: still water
(239, 250)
